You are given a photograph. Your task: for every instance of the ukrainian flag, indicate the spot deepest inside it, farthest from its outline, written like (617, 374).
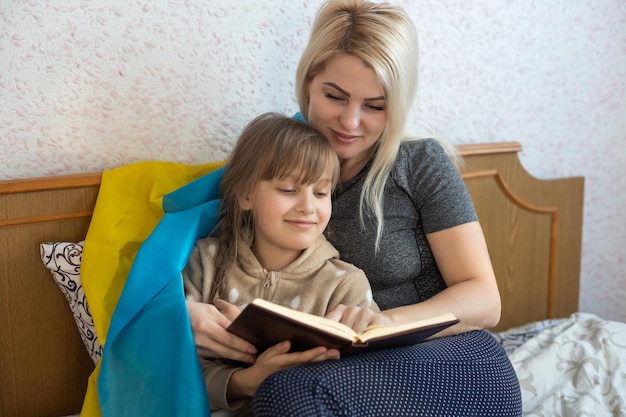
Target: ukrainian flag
(146, 219)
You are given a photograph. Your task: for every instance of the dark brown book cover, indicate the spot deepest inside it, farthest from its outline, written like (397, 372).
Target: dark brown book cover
(265, 324)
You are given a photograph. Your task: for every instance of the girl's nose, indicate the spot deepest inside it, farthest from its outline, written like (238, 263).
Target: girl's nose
(306, 205)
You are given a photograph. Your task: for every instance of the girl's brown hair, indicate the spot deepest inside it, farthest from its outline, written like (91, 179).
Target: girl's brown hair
(270, 146)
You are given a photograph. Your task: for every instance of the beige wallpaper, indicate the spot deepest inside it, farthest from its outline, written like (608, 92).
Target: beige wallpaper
(90, 85)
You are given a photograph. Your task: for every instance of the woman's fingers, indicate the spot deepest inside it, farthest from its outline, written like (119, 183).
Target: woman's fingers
(211, 338)
(228, 310)
(357, 318)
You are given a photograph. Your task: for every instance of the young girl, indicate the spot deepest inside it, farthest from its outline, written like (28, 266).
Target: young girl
(276, 203)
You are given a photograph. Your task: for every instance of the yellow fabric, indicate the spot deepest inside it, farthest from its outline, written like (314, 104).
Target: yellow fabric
(128, 208)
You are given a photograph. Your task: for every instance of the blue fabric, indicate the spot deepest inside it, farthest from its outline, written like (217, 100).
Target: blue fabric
(205, 188)
(150, 366)
(299, 116)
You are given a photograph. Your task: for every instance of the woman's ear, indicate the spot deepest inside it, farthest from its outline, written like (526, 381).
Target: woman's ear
(245, 202)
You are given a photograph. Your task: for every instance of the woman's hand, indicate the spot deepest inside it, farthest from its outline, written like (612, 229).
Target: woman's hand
(358, 318)
(244, 382)
(209, 323)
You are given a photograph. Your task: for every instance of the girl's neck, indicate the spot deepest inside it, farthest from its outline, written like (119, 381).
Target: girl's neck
(274, 260)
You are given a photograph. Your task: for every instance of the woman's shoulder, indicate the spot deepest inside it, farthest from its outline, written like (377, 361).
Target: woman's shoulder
(426, 147)
(420, 158)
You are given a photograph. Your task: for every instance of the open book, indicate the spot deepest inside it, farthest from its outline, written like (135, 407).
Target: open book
(265, 324)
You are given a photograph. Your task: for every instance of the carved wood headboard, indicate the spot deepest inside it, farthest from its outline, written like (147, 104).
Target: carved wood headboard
(533, 230)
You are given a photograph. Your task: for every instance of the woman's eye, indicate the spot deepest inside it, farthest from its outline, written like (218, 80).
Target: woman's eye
(376, 108)
(333, 97)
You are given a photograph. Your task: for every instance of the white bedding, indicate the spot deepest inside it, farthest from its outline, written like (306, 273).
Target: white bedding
(570, 367)
(573, 367)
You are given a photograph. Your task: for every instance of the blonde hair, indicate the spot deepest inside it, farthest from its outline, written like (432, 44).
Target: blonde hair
(384, 38)
(271, 146)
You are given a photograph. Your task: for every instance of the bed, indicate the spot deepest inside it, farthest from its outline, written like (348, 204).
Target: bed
(566, 360)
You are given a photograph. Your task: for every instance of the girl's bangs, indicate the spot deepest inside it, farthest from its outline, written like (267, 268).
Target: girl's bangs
(309, 162)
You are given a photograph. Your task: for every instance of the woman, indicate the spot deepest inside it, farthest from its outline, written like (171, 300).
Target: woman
(403, 215)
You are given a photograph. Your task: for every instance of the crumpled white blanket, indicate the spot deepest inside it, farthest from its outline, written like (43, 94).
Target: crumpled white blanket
(571, 367)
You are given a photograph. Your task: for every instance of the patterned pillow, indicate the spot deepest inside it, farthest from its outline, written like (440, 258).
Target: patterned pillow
(63, 260)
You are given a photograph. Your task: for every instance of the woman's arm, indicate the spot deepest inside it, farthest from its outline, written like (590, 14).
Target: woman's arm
(472, 291)
(471, 294)
(209, 323)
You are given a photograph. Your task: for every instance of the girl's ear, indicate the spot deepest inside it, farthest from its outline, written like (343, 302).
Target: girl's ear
(245, 202)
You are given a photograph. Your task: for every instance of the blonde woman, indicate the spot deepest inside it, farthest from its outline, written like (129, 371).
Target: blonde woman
(402, 214)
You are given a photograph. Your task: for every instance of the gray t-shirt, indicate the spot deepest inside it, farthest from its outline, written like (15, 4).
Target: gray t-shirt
(424, 194)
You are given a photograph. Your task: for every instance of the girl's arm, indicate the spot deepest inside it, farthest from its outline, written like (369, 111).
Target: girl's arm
(244, 382)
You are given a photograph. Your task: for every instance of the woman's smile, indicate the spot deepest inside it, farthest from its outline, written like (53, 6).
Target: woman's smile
(347, 104)
(345, 138)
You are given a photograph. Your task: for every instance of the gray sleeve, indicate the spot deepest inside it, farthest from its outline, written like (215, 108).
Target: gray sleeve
(434, 184)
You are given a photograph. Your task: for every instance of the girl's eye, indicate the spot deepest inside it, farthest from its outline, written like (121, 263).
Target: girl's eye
(321, 194)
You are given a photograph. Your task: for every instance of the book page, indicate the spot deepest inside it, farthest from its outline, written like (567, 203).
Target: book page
(376, 331)
(341, 330)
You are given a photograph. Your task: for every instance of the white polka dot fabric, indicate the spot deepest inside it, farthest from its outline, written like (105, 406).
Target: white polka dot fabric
(465, 375)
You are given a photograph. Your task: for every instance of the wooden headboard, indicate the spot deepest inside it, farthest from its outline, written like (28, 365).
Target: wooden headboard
(44, 365)
(533, 230)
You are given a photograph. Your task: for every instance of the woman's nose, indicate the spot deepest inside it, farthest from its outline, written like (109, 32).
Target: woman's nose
(350, 118)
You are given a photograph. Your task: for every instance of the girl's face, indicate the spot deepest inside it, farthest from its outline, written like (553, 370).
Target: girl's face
(288, 217)
(347, 104)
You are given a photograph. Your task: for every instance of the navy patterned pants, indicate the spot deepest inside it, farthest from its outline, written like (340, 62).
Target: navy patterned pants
(464, 375)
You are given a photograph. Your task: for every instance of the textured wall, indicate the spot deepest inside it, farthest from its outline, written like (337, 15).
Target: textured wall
(90, 85)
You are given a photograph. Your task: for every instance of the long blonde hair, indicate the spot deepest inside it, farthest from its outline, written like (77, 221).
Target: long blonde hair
(270, 146)
(384, 38)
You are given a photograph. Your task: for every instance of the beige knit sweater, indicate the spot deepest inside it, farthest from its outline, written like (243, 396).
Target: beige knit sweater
(316, 283)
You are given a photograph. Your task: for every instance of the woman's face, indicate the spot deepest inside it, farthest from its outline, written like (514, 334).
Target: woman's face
(347, 104)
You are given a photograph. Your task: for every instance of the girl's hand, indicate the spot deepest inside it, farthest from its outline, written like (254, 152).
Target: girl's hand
(244, 382)
(358, 318)
(209, 323)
